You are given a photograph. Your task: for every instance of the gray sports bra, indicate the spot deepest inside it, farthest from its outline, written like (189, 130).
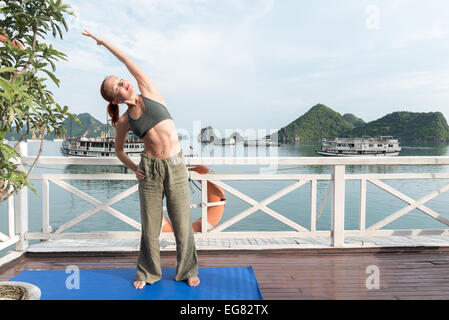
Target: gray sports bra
(154, 113)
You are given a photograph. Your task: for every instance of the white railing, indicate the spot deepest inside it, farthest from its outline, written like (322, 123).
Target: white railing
(18, 208)
(17, 219)
(11, 238)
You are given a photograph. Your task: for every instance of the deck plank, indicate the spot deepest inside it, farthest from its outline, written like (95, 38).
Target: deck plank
(294, 274)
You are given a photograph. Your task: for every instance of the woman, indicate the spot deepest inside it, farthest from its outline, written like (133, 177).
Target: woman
(161, 172)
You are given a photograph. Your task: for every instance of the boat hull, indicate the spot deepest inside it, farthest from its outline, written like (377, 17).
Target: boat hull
(98, 147)
(331, 154)
(70, 153)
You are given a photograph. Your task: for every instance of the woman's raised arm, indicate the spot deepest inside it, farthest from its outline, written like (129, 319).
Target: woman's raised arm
(145, 85)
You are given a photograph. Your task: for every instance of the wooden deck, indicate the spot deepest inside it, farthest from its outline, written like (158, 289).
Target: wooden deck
(293, 274)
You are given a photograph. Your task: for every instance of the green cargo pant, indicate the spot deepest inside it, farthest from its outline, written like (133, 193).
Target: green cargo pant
(167, 177)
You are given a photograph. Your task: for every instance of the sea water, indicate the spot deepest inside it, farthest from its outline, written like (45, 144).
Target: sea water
(65, 206)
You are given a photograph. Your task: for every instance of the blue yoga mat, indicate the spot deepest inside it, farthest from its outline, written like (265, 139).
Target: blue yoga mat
(234, 283)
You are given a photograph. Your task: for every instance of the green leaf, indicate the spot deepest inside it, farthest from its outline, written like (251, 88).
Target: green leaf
(3, 133)
(7, 88)
(52, 76)
(11, 115)
(7, 69)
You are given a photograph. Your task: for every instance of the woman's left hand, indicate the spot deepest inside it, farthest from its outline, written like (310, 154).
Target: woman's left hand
(88, 34)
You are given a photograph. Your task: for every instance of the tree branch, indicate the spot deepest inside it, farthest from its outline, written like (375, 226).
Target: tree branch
(33, 48)
(4, 198)
(38, 154)
(22, 137)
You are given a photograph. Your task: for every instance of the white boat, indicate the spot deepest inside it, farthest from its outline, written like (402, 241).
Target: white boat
(260, 142)
(224, 141)
(385, 146)
(99, 147)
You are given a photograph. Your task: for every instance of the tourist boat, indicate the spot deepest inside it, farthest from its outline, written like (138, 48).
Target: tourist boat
(364, 146)
(224, 141)
(260, 142)
(99, 147)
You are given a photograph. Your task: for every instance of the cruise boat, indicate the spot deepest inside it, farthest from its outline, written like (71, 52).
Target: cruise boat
(99, 147)
(224, 141)
(356, 147)
(260, 142)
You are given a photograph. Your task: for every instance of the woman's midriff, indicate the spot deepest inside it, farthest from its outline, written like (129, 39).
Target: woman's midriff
(161, 141)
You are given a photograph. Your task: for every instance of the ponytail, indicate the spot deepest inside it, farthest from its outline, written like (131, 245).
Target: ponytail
(113, 109)
(113, 112)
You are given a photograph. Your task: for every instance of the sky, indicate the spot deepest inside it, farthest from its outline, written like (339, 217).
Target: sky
(260, 64)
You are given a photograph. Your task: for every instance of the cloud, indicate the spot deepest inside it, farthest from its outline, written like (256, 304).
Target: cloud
(228, 57)
(85, 60)
(432, 82)
(292, 53)
(258, 11)
(435, 32)
(189, 51)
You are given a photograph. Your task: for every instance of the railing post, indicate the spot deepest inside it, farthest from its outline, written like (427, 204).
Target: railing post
(21, 204)
(362, 220)
(45, 207)
(204, 224)
(313, 205)
(11, 223)
(338, 206)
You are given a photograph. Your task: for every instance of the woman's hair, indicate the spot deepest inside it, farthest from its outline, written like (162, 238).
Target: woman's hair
(113, 109)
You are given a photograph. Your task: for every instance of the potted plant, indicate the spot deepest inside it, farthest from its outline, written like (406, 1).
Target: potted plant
(15, 290)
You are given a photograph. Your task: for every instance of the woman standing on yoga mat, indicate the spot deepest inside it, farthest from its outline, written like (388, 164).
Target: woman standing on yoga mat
(161, 172)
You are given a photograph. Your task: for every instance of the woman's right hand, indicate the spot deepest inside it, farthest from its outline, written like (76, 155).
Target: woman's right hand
(140, 174)
(88, 34)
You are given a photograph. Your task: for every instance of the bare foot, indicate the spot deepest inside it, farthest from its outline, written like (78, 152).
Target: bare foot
(139, 284)
(193, 281)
